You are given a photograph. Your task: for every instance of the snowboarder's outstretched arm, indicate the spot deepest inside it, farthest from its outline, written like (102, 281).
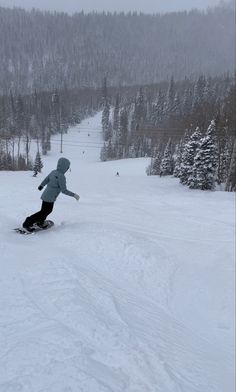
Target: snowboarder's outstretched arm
(43, 183)
(63, 188)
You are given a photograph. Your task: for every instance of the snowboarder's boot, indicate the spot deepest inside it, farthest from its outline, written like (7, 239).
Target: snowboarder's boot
(27, 227)
(41, 225)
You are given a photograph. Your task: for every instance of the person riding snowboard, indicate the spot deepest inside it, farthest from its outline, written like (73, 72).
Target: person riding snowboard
(56, 183)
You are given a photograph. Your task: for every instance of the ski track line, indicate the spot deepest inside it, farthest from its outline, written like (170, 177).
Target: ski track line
(125, 302)
(135, 301)
(45, 314)
(131, 227)
(129, 244)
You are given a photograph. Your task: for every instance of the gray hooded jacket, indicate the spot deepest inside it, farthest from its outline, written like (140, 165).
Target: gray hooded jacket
(56, 182)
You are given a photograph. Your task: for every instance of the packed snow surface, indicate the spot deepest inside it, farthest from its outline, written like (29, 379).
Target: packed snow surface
(131, 290)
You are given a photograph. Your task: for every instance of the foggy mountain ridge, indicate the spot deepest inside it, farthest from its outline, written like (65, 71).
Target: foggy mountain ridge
(43, 50)
(147, 6)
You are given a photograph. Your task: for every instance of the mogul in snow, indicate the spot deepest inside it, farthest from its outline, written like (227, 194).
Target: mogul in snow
(56, 183)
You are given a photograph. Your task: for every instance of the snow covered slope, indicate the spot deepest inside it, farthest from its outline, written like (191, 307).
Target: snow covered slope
(132, 290)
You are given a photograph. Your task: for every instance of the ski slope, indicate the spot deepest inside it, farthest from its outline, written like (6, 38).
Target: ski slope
(131, 291)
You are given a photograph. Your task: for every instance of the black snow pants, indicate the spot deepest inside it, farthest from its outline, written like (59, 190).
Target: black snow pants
(41, 215)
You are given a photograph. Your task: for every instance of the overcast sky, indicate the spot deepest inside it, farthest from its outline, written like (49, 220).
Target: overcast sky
(148, 6)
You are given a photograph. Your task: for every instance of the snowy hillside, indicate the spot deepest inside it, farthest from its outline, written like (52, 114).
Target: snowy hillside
(132, 290)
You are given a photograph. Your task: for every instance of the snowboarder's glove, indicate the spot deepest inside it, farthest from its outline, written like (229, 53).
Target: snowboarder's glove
(40, 188)
(76, 196)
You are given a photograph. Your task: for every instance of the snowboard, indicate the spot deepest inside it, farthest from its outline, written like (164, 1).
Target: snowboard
(47, 225)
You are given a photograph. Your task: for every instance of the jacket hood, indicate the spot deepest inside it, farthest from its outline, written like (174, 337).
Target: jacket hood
(63, 165)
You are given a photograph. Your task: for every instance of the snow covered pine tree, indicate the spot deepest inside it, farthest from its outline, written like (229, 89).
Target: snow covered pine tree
(188, 156)
(38, 164)
(205, 161)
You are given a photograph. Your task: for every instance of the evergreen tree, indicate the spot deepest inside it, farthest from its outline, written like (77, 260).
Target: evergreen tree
(225, 149)
(198, 92)
(157, 109)
(116, 113)
(149, 168)
(106, 111)
(133, 124)
(8, 162)
(166, 167)
(140, 107)
(178, 159)
(110, 150)
(107, 152)
(109, 131)
(48, 141)
(170, 96)
(56, 112)
(176, 110)
(132, 152)
(44, 141)
(103, 154)
(231, 180)
(22, 165)
(139, 113)
(38, 164)
(123, 127)
(105, 120)
(1, 161)
(188, 155)
(104, 92)
(205, 162)
(154, 168)
(206, 95)
(20, 114)
(187, 101)
(118, 151)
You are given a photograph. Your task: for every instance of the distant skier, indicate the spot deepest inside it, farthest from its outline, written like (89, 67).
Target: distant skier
(56, 183)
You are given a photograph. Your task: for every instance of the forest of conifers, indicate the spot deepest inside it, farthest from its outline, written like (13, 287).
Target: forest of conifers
(45, 51)
(158, 79)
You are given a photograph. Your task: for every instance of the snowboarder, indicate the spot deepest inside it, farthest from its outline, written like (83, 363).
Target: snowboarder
(56, 183)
